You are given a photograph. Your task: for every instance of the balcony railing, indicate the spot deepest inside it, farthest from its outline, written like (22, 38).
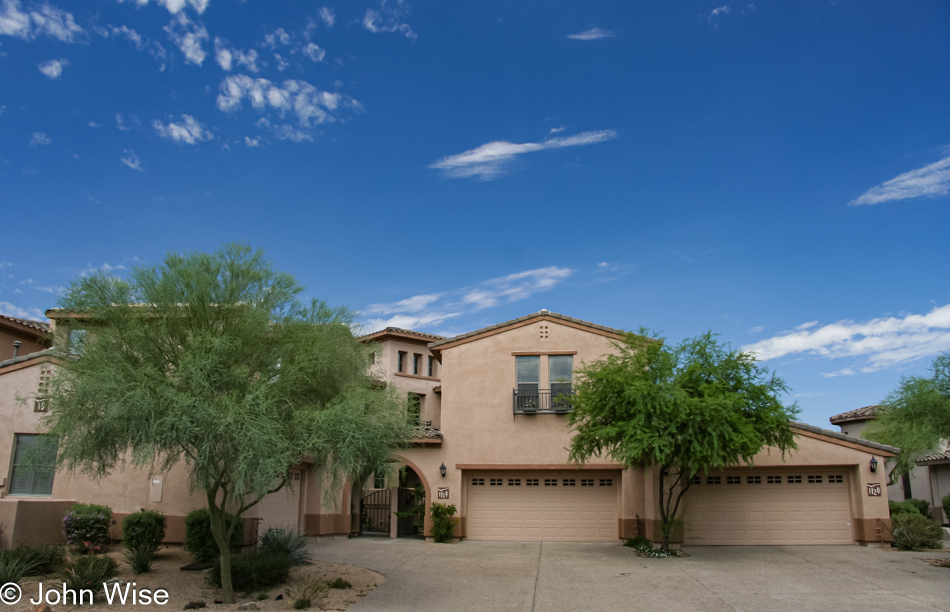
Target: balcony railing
(542, 402)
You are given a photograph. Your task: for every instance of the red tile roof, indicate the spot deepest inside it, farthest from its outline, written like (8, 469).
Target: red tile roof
(861, 414)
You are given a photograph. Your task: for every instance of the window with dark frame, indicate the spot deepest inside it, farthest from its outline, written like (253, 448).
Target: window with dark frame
(34, 465)
(401, 361)
(431, 370)
(414, 409)
(416, 360)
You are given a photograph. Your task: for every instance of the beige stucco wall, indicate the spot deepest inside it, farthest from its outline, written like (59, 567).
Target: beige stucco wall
(920, 487)
(385, 369)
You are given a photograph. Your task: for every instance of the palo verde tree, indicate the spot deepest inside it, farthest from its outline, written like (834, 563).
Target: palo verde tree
(213, 360)
(915, 417)
(693, 408)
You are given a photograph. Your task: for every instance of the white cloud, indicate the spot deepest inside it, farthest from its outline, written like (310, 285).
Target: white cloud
(930, 181)
(54, 290)
(122, 32)
(282, 64)
(53, 68)
(277, 37)
(328, 16)
(188, 131)
(388, 19)
(12, 310)
(315, 53)
(227, 56)
(93, 124)
(175, 6)
(39, 138)
(591, 34)
(132, 160)
(309, 104)
(556, 130)
(757, 329)
(492, 159)
(47, 20)
(189, 37)
(252, 142)
(427, 309)
(125, 124)
(880, 343)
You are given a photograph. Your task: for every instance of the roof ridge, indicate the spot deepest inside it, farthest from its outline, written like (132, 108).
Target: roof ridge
(841, 436)
(540, 313)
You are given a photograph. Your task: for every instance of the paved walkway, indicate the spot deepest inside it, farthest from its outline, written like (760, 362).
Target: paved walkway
(554, 576)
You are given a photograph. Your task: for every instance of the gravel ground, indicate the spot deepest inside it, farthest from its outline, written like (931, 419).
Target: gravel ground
(185, 587)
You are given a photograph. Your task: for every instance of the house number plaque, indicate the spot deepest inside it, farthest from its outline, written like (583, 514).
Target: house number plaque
(443, 493)
(874, 490)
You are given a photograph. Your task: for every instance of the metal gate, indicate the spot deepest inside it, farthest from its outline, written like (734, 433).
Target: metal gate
(376, 512)
(408, 499)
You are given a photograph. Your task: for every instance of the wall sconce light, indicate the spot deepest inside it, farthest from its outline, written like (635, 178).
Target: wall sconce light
(442, 470)
(873, 465)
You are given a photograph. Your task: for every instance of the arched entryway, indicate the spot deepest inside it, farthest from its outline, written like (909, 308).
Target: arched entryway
(399, 509)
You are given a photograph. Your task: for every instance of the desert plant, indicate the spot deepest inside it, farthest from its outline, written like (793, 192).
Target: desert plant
(198, 538)
(89, 572)
(638, 543)
(140, 559)
(306, 592)
(86, 526)
(255, 571)
(14, 567)
(904, 507)
(916, 532)
(44, 559)
(339, 583)
(145, 529)
(286, 541)
(443, 521)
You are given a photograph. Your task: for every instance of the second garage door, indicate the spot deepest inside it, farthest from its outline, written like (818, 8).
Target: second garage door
(769, 507)
(542, 506)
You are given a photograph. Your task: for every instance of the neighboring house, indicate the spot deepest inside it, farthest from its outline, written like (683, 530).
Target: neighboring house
(505, 395)
(22, 337)
(492, 405)
(930, 480)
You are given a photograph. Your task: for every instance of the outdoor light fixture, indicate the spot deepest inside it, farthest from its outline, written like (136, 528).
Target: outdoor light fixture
(442, 470)
(873, 465)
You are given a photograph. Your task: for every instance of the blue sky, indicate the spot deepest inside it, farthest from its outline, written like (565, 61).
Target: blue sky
(777, 172)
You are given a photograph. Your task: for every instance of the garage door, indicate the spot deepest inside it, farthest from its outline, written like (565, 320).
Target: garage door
(548, 506)
(769, 507)
(281, 509)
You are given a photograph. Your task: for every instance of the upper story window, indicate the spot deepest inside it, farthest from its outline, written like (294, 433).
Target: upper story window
(529, 374)
(431, 371)
(561, 373)
(556, 395)
(76, 341)
(34, 464)
(401, 361)
(414, 409)
(416, 363)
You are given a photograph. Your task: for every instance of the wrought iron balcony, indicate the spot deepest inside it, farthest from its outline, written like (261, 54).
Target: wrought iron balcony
(542, 401)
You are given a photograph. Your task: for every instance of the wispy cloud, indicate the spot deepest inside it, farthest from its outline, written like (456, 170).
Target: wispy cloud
(310, 105)
(12, 310)
(591, 34)
(176, 6)
(491, 160)
(39, 138)
(46, 20)
(879, 343)
(930, 181)
(428, 309)
(189, 36)
(130, 159)
(714, 15)
(315, 53)
(228, 56)
(53, 68)
(389, 18)
(124, 123)
(187, 131)
(328, 16)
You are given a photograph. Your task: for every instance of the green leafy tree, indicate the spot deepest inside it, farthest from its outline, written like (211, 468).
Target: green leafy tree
(915, 417)
(688, 409)
(213, 360)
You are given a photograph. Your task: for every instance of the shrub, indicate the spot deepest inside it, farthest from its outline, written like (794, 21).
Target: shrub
(86, 526)
(904, 507)
(89, 572)
(139, 559)
(287, 541)
(198, 539)
(638, 543)
(915, 532)
(443, 523)
(46, 558)
(14, 567)
(922, 505)
(946, 506)
(339, 583)
(306, 592)
(255, 571)
(145, 529)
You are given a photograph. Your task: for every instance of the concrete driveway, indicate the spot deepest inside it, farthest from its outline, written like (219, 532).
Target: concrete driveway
(536, 576)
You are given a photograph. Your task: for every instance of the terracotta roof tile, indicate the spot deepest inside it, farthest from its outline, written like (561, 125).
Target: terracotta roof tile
(861, 414)
(935, 459)
(399, 330)
(841, 436)
(37, 325)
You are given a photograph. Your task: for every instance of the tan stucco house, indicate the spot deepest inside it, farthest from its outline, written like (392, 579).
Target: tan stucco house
(492, 405)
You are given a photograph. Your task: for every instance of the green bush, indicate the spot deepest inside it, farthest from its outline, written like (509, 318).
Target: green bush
(143, 530)
(14, 567)
(140, 559)
(255, 571)
(44, 559)
(287, 541)
(915, 532)
(90, 572)
(339, 583)
(443, 523)
(904, 507)
(86, 526)
(946, 506)
(638, 543)
(198, 539)
(923, 506)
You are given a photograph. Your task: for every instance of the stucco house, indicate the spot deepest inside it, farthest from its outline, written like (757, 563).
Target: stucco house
(493, 405)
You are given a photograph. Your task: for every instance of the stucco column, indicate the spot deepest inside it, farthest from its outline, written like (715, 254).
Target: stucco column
(393, 507)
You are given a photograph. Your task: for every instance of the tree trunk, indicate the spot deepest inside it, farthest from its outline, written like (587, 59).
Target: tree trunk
(665, 545)
(222, 537)
(356, 495)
